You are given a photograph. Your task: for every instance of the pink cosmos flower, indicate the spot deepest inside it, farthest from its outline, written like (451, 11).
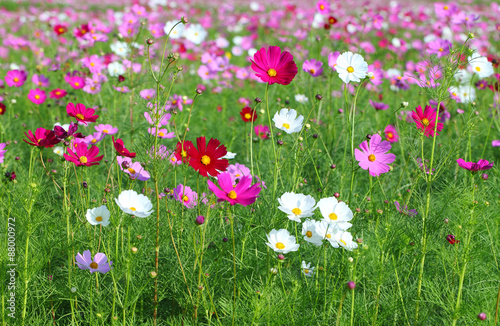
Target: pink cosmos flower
(332, 59)
(379, 105)
(162, 118)
(445, 9)
(243, 193)
(134, 169)
(16, 78)
(37, 96)
(40, 80)
(106, 129)
(323, 7)
(262, 131)
(373, 156)
(93, 138)
(185, 195)
(238, 171)
(75, 79)
(83, 155)
(440, 48)
(58, 93)
(425, 120)
(2, 151)
(98, 264)
(274, 66)
(313, 67)
(495, 143)
(474, 167)
(391, 134)
(148, 93)
(82, 114)
(162, 133)
(404, 209)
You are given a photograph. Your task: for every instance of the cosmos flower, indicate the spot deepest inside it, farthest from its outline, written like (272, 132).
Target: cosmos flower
(451, 239)
(335, 212)
(425, 120)
(332, 59)
(41, 138)
(206, 159)
(98, 216)
(120, 148)
(106, 129)
(182, 151)
(379, 105)
(439, 47)
(323, 7)
(83, 155)
(262, 131)
(373, 156)
(310, 234)
(297, 206)
(327, 232)
(351, 67)
(474, 167)
(313, 67)
(195, 33)
(480, 65)
(177, 32)
(243, 193)
(185, 195)
(281, 241)
(307, 270)
(391, 134)
(16, 78)
(344, 239)
(274, 66)
(404, 209)
(2, 151)
(134, 204)
(66, 131)
(98, 264)
(248, 114)
(37, 96)
(237, 171)
(287, 120)
(82, 114)
(2, 108)
(57, 93)
(134, 169)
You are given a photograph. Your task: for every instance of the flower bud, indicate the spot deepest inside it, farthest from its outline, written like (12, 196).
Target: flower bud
(134, 250)
(281, 256)
(150, 41)
(319, 97)
(200, 220)
(73, 289)
(351, 285)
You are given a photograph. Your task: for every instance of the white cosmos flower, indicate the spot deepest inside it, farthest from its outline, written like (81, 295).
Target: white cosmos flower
(301, 98)
(116, 69)
(351, 67)
(281, 241)
(134, 204)
(287, 120)
(465, 93)
(463, 76)
(177, 32)
(120, 48)
(98, 215)
(335, 213)
(307, 270)
(229, 156)
(296, 206)
(195, 33)
(310, 234)
(327, 232)
(480, 65)
(59, 150)
(345, 240)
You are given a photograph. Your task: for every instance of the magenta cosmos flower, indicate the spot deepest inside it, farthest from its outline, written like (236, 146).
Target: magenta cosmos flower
(83, 155)
(243, 193)
(185, 195)
(41, 138)
(373, 156)
(81, 113)
(16, 78)
(274, 66)
(391, 134)
(425, 120)
(98, 264)
(474, 167)
(37, 96)
(313, 67)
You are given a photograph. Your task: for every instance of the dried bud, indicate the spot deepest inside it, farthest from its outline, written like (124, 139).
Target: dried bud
(257, 100)
(150, 41)
(319, 97)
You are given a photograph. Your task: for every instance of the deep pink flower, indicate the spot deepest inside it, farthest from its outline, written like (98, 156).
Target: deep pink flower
(81, 113)
(42, 138)
(323, 7)
(425, 120)
(373, 156)
(274, 66)
(58, 93)
(37, 96)
(243, 193)
(391, 134)
(83, 155)
(474, 167)
(262, 131)
(16, 78)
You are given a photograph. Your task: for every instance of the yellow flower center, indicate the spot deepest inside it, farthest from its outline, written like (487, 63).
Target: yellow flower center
(37, 97)
(131, 170)
(232, 194)
(161, 134)
(271, 72)
(77, 84)
(248, 116)
(280, 245)
(93, 141)
(306, 271)
(322, 7)
(133, 209)
(92, 64)
(16, 79)
(309, 234)
(93, 265)
(329, 236)
(312, 71)
(371, 157)
(478, 68)
(345, 244)
(183, 153)
(454, 94)
(286, 126)
(350, 69)
(83, 159)
(296, 211)
(185, 199)
(441, 50)
(80, 116)
(174, 102)
(205, 160)
(98, 218)
(425, 121)
(390, 135)
(333, 216)
(446, 7)
(105, 131)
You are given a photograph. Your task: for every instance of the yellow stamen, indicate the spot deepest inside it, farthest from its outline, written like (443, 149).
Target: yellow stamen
(286, 126)
(333, 216)
(248, 116)
(93, 265)
(390, 135)
(296, 211)
(271, 72)
(350, 69)
(131, 170)
(80, 116)
(232, 194)
(306, 271)
(280, 245)
(133, 209)
(425, 121)
(205, 160)
(478, 68)
(371, 157)
(185, 199)
(345, 244)
(312, 71)
(83, 159)
(309, 234)
(98, 218)
(105, 131)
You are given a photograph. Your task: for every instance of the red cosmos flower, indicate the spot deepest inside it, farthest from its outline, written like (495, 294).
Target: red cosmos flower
(274, 66)
(182, 151)
(425, 120)
(207, 158)
(81, 113)
(58, 93)
(42, 138)
(248, 115)
(332, 20)
(60, 29)
(79, 32)
(120, 148)
(84, 155)
(2, 108)
(451, 239)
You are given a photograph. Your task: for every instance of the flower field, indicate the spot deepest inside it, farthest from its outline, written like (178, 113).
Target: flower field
(249, 163)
